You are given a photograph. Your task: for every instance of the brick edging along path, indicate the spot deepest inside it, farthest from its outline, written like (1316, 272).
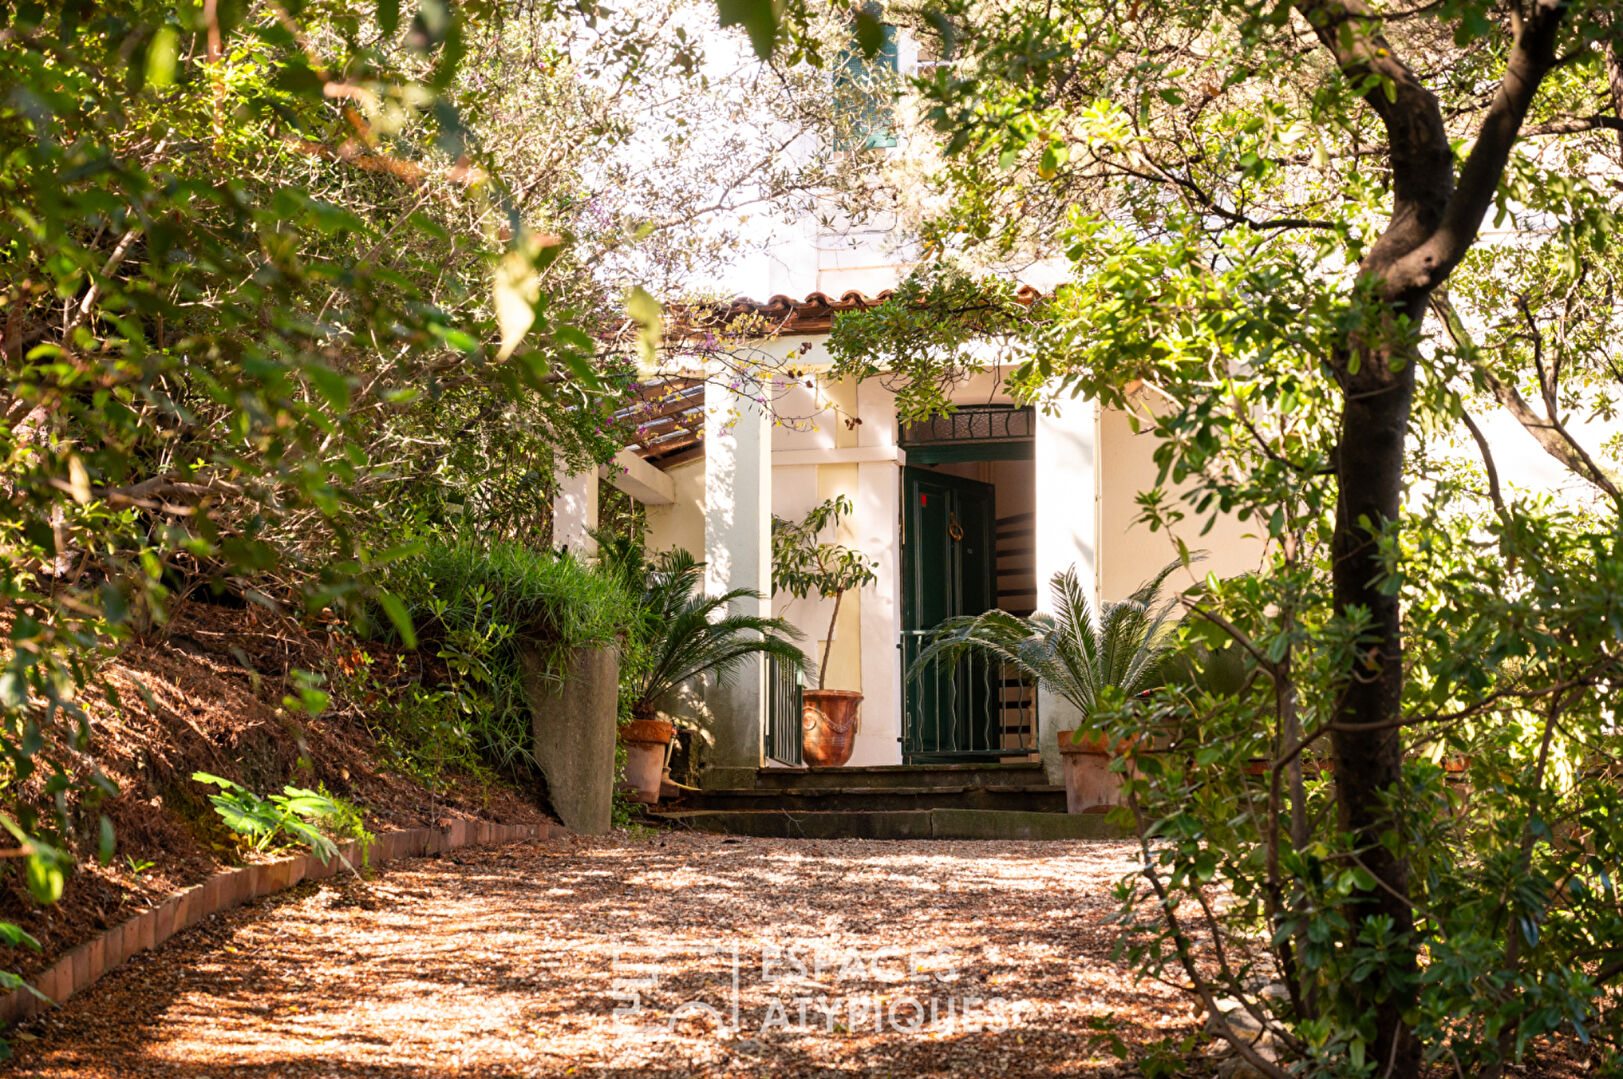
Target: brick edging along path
(82, 967)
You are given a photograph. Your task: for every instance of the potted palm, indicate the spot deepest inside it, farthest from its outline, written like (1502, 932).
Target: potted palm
(1090, 658)
(684, 634)
(803, 563)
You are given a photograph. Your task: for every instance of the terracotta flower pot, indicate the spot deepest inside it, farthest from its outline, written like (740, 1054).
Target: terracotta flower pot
(829, 726)
(648, 731)
(1090, 784)
(645, 741)
(1093, 743)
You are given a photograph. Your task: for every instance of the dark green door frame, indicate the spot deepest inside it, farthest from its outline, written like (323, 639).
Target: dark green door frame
(946, 453)
(949, 562)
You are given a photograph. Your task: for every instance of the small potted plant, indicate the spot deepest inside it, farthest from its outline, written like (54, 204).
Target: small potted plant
(802, 563)
(686, 634)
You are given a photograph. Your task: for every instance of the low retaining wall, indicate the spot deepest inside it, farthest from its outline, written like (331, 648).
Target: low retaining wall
(81, 968)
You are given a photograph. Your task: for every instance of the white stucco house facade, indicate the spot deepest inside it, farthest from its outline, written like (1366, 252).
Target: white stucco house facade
(976, 511)
(973, 511)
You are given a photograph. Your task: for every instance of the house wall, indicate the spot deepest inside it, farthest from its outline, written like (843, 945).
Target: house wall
(681, 523)
(818, 455)
(1129, 553)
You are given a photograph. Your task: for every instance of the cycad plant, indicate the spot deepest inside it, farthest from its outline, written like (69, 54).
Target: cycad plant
(687, 633)
(1075, 652)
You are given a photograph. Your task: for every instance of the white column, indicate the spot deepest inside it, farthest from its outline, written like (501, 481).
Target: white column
(738, 554)
(878, 522)
(1068, 471)
(574, 511)
(878, 509)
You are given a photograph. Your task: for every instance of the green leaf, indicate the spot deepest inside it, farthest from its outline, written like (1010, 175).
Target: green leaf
(452, 137)
(397, 614)
(869, 29)
(759, 18)
(13, 689)
(330, 384)
(15, 937)
(1055, 154)
(45, 878)
(389, 17)
(204, 777)
(1206, 865)
(409, 549)
(42, 535)
(516, 288)
(113, 603)
(162, 53)
(107, 843)
(649, 316)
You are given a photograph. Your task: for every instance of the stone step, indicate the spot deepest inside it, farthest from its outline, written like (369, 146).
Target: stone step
(902, 775)
(1037, 797)
(897, 824)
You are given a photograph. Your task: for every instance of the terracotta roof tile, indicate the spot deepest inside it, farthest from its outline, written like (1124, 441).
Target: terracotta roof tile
(786, 315)
(668, 413)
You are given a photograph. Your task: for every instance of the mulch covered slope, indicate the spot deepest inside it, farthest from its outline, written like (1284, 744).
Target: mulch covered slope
(205, 694)
(513, 962)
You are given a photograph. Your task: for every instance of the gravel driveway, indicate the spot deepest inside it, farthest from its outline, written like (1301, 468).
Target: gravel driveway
(673, 956)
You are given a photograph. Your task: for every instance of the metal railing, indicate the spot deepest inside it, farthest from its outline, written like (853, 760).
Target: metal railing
(972, 707)
(972, 423)
(784, 710)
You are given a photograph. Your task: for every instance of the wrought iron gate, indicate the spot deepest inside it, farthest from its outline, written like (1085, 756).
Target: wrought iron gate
(973, 707)
(784, 711)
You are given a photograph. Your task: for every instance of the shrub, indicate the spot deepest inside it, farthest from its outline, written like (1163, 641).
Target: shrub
(686, 634)
(479, 608)
(424, 731)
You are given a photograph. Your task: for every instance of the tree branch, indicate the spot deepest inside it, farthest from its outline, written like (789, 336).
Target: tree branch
(1549, 432)
(1487, 463)
(1531, 58)
(1572, 125)
(1421, 157)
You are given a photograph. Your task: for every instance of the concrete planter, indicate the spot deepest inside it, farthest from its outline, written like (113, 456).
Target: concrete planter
(573, 723)
(645, 741)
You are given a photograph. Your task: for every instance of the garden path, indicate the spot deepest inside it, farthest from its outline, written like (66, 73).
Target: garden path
(513, 961)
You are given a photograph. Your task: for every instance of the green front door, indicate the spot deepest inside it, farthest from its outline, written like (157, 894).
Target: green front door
(949, 561)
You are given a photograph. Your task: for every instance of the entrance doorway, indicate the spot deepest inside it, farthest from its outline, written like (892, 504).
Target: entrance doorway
(967, 529)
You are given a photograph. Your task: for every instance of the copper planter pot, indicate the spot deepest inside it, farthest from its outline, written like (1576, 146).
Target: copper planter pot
(829, 726)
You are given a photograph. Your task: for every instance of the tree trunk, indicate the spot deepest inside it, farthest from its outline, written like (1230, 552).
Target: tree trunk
(828, 645)
(1435, 218)
(1366, 740)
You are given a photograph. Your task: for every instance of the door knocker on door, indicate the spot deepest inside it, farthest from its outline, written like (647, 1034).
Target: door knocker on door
(954, 529)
